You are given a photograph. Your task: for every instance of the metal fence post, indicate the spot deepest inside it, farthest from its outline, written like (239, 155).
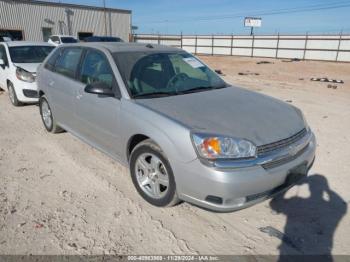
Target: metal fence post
(181, 40)
(158, 39)
(339, 43)
(252, 55)
(278, 43)
(195, 46)
(305, 46)
(212, 45)
(231, 44)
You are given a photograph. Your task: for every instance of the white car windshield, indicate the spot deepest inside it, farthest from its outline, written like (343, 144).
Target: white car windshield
(29, 54)
(149, 74)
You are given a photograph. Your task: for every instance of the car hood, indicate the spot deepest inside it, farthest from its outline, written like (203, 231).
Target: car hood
(231, 111)
(30, 67)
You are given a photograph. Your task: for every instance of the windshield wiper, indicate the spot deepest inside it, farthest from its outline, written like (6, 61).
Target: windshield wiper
(174, 93)
(201, 88)
(154, 94)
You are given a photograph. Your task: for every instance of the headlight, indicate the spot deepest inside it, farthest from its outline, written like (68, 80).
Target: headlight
(24, 75)
(213, 147)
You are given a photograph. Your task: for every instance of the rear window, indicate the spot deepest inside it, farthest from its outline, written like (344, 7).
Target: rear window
(68, 62)
(29, 54)
(50, 64)
(68, 40)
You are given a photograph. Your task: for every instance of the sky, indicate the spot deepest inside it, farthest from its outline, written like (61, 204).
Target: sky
(226, 16)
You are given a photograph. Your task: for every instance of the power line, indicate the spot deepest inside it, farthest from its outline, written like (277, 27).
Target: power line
(308, 8)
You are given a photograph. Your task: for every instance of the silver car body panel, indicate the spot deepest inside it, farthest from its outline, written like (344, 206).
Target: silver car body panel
(109, 124)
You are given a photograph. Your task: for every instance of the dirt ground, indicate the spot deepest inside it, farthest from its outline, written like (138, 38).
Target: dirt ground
(60, 196)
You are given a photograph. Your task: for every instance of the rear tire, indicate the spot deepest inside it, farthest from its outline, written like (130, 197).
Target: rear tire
(47, 117)
(152, 175)
(13, 96)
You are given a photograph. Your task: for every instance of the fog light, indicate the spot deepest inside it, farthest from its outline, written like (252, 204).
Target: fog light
(236, 202)
(214, 199)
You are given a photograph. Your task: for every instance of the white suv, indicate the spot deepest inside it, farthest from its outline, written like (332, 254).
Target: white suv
(57, 40)
(19, 61)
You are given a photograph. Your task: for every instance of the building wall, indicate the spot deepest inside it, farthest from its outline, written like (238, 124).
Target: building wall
(31, 17)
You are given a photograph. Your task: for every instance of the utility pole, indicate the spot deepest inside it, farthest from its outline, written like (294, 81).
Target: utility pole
(69, 22)
(104, 12)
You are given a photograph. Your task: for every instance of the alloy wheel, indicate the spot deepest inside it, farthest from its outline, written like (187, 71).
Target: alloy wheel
(152, 176)
(46, 114)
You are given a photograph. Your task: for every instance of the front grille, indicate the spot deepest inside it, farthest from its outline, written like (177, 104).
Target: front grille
(285, 160)
(268, 148)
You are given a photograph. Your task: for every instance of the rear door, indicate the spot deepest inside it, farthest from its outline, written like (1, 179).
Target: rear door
(62, 85)
(98, 116)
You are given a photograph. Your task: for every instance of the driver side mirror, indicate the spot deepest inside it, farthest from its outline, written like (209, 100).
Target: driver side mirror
(2, 62)
(99, 88)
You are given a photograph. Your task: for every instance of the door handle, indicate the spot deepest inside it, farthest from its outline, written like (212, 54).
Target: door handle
(51, 83)
(79, 96)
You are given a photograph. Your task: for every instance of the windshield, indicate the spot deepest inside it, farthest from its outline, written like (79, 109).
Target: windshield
(68, 40)
(29, 54)
(163, 74)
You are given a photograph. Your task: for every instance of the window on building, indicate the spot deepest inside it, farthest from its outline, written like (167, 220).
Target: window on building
(13, 34)
(83, 35)
(47, 32)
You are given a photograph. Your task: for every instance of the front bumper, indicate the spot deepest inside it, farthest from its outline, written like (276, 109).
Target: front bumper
(26, 92)
(227, 189)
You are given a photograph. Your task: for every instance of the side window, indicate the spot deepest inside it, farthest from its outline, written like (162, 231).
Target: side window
(67, 64)
(55, 39)
(3, 55)
(50, 64)
(96, 68)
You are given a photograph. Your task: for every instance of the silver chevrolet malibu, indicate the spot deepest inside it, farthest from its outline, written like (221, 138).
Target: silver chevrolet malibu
(183, 131)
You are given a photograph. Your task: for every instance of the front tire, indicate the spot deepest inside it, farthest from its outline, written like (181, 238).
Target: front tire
(13, 96)
(47, 117)
(152, 175)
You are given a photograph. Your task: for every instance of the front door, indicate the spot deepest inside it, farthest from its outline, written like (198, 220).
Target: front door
(4, 69)
(98, 116)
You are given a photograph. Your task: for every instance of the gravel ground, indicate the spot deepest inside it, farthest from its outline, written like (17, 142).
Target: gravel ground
(60, 196)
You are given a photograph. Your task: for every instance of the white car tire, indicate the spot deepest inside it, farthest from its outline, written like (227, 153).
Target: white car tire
(12, 95)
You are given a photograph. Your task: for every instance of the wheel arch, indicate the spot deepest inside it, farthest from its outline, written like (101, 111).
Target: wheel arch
(133, 142)
(8, 82)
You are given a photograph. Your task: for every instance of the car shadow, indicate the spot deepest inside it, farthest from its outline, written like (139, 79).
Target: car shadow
(311, 221)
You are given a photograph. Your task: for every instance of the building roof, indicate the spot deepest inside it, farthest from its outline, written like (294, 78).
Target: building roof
(115, 47)
(38, 2)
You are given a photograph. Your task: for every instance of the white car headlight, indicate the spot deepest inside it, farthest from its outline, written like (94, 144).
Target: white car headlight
(222, 147)
(24, 75)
